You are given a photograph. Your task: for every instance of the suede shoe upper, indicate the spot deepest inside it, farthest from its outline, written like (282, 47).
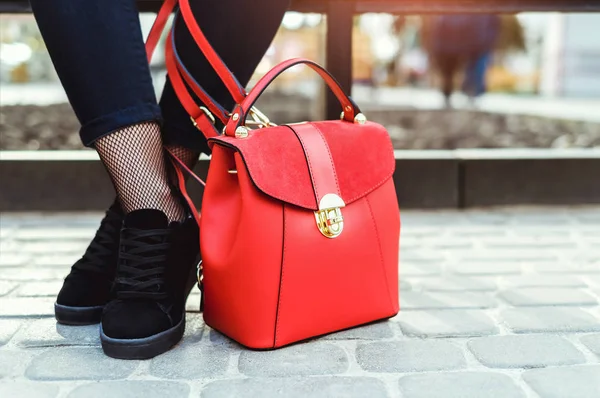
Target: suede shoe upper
(89, 282)
(155, 258)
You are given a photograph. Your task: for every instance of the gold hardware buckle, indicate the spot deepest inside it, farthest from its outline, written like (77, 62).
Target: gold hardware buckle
(207, 113)
(199, 274)
(259, 118)
(358, 119)
(330, 220)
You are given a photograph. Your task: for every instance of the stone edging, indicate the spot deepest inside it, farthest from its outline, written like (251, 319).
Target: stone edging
(76, 180)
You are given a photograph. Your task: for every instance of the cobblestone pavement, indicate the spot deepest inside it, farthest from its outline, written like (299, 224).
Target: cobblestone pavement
(496, 303)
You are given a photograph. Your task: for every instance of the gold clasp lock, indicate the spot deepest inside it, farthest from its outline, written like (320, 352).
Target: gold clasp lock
(329, 216)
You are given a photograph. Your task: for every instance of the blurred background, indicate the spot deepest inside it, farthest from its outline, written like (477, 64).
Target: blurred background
(436, 82)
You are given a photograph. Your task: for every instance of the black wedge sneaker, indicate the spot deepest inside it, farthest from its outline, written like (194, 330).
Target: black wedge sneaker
(156, 271)
(86, 289)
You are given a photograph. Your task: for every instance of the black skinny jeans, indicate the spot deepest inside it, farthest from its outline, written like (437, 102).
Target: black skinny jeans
(98, 51)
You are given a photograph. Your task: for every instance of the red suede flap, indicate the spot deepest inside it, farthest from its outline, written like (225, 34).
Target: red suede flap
(363, 157)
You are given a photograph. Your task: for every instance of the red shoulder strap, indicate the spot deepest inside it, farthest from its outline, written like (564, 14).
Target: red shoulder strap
(159, 26)
(235, 88)
(181, 79)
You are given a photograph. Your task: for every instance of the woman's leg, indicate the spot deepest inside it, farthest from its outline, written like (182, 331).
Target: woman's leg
(98, 51)
(240, 32)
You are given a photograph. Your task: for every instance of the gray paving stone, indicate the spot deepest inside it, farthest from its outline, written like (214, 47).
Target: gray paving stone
(567, 268)
(26, 307)
(193, 302)
(311, 358)
(48, 333)
(54, 247)
(9, 247)
(51, 234)
(549, 319)
(589, 257)
(414, 269)
(14, 362)
(420, 257)
(7, 330)
(211, 337)
(39, 289)
(446, 323)
(194, 328)
(479, 231)
(532, 243)
(547, 297)
(571, 382)
(445, 300)
(13, 260)
(7, 287)
(380, 330)
(525, 351)
(592, 342)
(18, 389)
(409, 356)
(6, 231)
(63, 260)
(593, 280)
(23, 274)
(307, 387)
(452, 243)
(485, 268)
(488, 217)
(67, 363)
(533, 231)
(404, 285)
(436, 218)
(500, 256)
(131, 389)
(453, 284)
(56, 220)
(411, 242)
(460, 385)
(193, 361)
(418, 231)
(542, 281)
(540, 217)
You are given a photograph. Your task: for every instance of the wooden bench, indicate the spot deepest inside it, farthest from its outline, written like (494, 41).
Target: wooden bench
(340, 15)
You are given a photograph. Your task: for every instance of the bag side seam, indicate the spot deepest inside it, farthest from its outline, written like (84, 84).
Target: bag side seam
(281, 277)
(382, 262)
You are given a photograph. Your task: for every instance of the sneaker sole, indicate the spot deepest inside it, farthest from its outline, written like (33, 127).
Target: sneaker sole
(145, 348)
(77, 316)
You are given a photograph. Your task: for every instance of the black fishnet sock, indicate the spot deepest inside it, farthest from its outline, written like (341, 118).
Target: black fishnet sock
(187, 156)
(134, 157)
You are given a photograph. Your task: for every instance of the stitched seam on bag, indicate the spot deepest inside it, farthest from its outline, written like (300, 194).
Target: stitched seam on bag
(310, 169)
(281, 274)
(337, 185)
(303, 205)
(231, 146)
(382, 182)
(387, 284)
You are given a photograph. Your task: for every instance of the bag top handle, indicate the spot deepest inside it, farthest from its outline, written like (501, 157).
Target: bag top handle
(350, 109)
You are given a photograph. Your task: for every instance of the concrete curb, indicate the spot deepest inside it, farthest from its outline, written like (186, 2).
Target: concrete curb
(77, 181)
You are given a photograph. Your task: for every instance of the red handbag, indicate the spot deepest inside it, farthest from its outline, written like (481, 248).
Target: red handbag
(300, 222)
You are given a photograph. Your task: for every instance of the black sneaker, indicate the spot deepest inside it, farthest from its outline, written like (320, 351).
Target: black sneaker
(156, 271)
(86, 289)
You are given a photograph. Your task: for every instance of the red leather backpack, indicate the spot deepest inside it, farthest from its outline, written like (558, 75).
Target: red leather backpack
(300, 222)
